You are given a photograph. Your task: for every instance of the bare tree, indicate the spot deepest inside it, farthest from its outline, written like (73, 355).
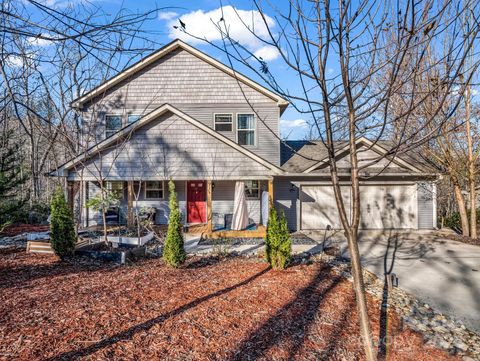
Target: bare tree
(351, 59)
(49, 56)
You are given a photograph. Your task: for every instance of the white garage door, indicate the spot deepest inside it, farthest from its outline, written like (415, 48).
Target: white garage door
(381, 207)
(388, 206)
(319, 208)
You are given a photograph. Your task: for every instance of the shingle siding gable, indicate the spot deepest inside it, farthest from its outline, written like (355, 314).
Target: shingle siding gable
(195, 87)
(170, 147)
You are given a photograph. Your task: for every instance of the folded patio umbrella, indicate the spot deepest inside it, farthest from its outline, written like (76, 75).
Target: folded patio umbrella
(240, 211)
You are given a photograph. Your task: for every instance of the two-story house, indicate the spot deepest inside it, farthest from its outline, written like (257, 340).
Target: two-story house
(179, 114)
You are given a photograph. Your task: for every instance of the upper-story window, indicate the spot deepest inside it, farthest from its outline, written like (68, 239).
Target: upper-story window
(223, 122)
(133, 118)
(113, 123)
(246, 129)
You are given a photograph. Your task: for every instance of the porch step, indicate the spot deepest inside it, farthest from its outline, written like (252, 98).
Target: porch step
(39, 247)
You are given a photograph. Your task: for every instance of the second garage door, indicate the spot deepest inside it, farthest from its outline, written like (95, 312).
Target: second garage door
(382, 207)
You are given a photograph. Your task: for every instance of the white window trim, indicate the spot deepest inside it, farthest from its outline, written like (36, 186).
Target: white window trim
(223, 131)
(254, 130)
(162, 183)
(113, 115)
(258, 187)
(110, 189)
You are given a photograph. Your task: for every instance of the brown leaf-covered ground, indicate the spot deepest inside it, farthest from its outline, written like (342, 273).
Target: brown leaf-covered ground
(232, 309)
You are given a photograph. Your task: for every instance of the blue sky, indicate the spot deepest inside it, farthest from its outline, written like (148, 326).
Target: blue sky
(197, 15)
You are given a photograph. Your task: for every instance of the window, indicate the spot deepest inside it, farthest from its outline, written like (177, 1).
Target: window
(113, 123)
(116, 188)
(223, 122)
(252, 189)
(154, 190)
(133, 118)
(246, 129)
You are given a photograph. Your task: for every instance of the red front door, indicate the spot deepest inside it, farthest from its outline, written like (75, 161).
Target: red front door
(196, 204)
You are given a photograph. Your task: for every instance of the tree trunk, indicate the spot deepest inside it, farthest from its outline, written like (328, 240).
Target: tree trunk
(461, 206)
(471, 168)
(359, 288)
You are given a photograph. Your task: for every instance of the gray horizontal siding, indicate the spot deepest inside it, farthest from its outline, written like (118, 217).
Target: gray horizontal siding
(286, 200)
(222, 202)
(170, 148)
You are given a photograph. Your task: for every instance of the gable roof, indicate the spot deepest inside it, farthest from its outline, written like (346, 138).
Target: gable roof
(176, 44)
(310, 155)
(94, 150)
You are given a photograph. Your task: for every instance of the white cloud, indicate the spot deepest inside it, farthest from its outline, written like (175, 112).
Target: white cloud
(267, 53)
(167, 15)
(14, 61)
(239, 23)
(39, 42)
(296, 123)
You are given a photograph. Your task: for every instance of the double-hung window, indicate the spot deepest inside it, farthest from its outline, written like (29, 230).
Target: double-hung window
(116, 188)
(246, 129)
(252, 189)
(154, 190)
(113, 123)
(223, 122)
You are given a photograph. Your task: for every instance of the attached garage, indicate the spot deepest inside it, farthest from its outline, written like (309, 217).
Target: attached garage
(383, 206)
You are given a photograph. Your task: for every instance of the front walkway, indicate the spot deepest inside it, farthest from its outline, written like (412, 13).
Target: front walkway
(193, 247)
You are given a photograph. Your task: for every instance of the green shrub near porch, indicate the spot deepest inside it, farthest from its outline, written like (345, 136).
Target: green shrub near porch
(173, 251)
(62, 226)
(278, 245)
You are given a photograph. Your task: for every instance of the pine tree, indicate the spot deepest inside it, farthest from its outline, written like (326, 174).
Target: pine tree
(11, 178)
(173, 252)
(62, 227)
(278, 245)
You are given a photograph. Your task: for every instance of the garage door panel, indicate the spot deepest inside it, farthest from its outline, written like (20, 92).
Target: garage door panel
(388, 207)
(371, 207)
(319, 208)
(381, 207)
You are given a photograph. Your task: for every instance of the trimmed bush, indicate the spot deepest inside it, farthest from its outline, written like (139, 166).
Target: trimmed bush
(173, 252)
(62, 226)
(278, 245)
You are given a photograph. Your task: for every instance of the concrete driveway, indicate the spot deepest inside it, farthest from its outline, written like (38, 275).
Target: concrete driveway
(443, 273)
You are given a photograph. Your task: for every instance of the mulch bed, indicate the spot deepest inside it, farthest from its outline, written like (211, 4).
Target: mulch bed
(211, 309)
(15, 229)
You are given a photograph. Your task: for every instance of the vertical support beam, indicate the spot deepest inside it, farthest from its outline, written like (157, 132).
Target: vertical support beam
(130, 218)
(70, 194)
(85, 189)
(270, 193)
(209, 206)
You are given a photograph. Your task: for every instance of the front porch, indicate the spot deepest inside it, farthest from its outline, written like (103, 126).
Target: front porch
(206, 211)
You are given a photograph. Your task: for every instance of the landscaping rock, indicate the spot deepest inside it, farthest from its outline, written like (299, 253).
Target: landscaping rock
(438, 329)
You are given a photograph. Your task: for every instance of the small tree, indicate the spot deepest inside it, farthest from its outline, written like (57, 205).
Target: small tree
(62, 227)
(173, 252)
(101, 203)
(278, 245)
